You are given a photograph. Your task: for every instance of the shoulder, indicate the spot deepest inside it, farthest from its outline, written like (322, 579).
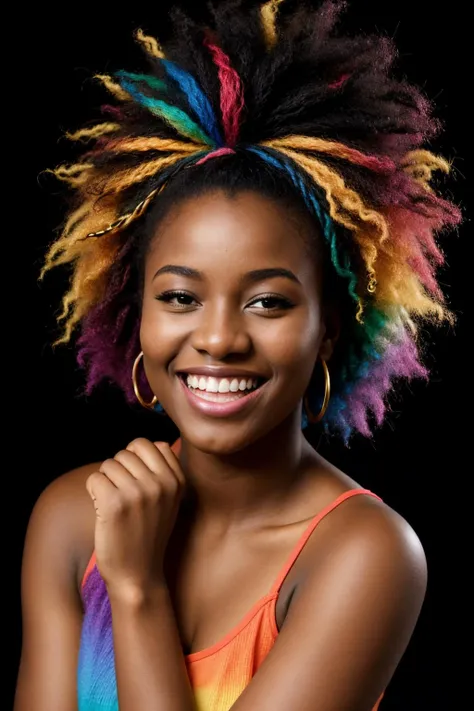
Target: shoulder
(367, 529)
(360, 528)
(59, 540)
(351, 616)
(363, 526)
(379, 533)
(61, 525)
(355, 609)
(367, 548)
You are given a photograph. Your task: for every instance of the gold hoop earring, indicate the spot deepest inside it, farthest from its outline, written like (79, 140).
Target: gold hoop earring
(327, 394)
(148, 405)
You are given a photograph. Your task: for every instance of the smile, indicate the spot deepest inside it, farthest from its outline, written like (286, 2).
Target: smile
(221, 397)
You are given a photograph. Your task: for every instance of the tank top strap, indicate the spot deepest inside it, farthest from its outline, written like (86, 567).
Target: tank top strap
(176, 446)
(309, 530)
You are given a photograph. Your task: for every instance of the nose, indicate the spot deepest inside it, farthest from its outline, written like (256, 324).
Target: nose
(221, 331)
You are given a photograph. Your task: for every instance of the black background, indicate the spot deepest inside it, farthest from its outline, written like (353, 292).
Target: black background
(419, 462)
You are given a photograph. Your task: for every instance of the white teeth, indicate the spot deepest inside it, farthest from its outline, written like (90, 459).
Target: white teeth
(224, 386)
(220, 385)
(212, 385)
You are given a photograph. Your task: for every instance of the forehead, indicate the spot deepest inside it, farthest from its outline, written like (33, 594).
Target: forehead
(217, 230)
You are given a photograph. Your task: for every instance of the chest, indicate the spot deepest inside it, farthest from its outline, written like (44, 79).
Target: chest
(215, 583)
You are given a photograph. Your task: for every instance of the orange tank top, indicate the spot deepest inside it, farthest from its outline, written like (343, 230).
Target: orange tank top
(220, 673)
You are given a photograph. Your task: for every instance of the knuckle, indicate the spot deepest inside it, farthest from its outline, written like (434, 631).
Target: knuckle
(122, 454)
(168, 489)
(156, 488)
(174, 484)
(138, 442)
(116, 506)
(157, 492)
(136, 496)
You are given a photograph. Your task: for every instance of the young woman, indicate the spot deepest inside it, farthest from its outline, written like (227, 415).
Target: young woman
(253, 252)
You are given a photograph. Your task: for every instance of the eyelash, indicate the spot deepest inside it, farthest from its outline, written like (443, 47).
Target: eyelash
(168, 296)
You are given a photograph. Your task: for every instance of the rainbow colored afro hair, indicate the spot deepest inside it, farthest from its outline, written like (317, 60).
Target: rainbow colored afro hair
(275, 87)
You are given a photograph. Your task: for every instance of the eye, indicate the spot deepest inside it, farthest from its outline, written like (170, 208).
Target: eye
(181, 298)
(272, 303)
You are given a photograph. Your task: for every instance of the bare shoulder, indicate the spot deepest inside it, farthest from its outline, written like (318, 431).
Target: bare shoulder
(352, 615)
(365, 540)
(59, 541)
(63, 518)
(365, 526)
(376, 530)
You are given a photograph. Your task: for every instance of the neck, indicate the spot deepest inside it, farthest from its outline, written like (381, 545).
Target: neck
(247, 487)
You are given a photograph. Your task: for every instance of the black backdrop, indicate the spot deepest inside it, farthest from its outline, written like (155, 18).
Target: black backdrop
(417, 462)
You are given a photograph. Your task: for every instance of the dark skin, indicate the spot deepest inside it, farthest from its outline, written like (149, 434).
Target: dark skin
(173, 534)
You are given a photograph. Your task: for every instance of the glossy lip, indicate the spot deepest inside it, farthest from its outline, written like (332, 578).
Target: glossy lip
(220, 409)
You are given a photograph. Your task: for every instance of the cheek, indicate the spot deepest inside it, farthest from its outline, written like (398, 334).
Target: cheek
(290, 346)
(158, 334)
(295, 339)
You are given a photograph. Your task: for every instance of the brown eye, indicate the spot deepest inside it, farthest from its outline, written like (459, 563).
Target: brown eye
(180, 298)
(273, 303)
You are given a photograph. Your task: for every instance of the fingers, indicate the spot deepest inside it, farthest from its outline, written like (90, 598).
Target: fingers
(99, 488)
(115, 491)
(147, 453)
(172, 460)
(135, 465)
(138, 471)
(142, 465)
(155, 455)
(118, 475)
(125, 472)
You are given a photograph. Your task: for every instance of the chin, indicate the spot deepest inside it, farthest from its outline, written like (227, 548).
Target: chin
(219, 440)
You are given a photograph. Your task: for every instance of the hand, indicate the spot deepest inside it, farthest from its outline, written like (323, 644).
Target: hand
(136, 497)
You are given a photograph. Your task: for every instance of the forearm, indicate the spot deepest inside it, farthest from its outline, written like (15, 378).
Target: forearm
(150, 667)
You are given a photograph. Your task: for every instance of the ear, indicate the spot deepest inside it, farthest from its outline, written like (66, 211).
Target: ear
(332, 330)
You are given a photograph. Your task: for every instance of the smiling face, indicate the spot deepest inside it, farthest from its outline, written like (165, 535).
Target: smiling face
(249, 304)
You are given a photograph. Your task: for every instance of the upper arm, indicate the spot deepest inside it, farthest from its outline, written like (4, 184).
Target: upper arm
(60, 528)
(348, 624)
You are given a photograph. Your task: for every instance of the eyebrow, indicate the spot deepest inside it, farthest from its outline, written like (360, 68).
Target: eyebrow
(249, 278)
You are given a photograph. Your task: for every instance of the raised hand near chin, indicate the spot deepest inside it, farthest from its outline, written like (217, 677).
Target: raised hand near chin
(136, 496)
